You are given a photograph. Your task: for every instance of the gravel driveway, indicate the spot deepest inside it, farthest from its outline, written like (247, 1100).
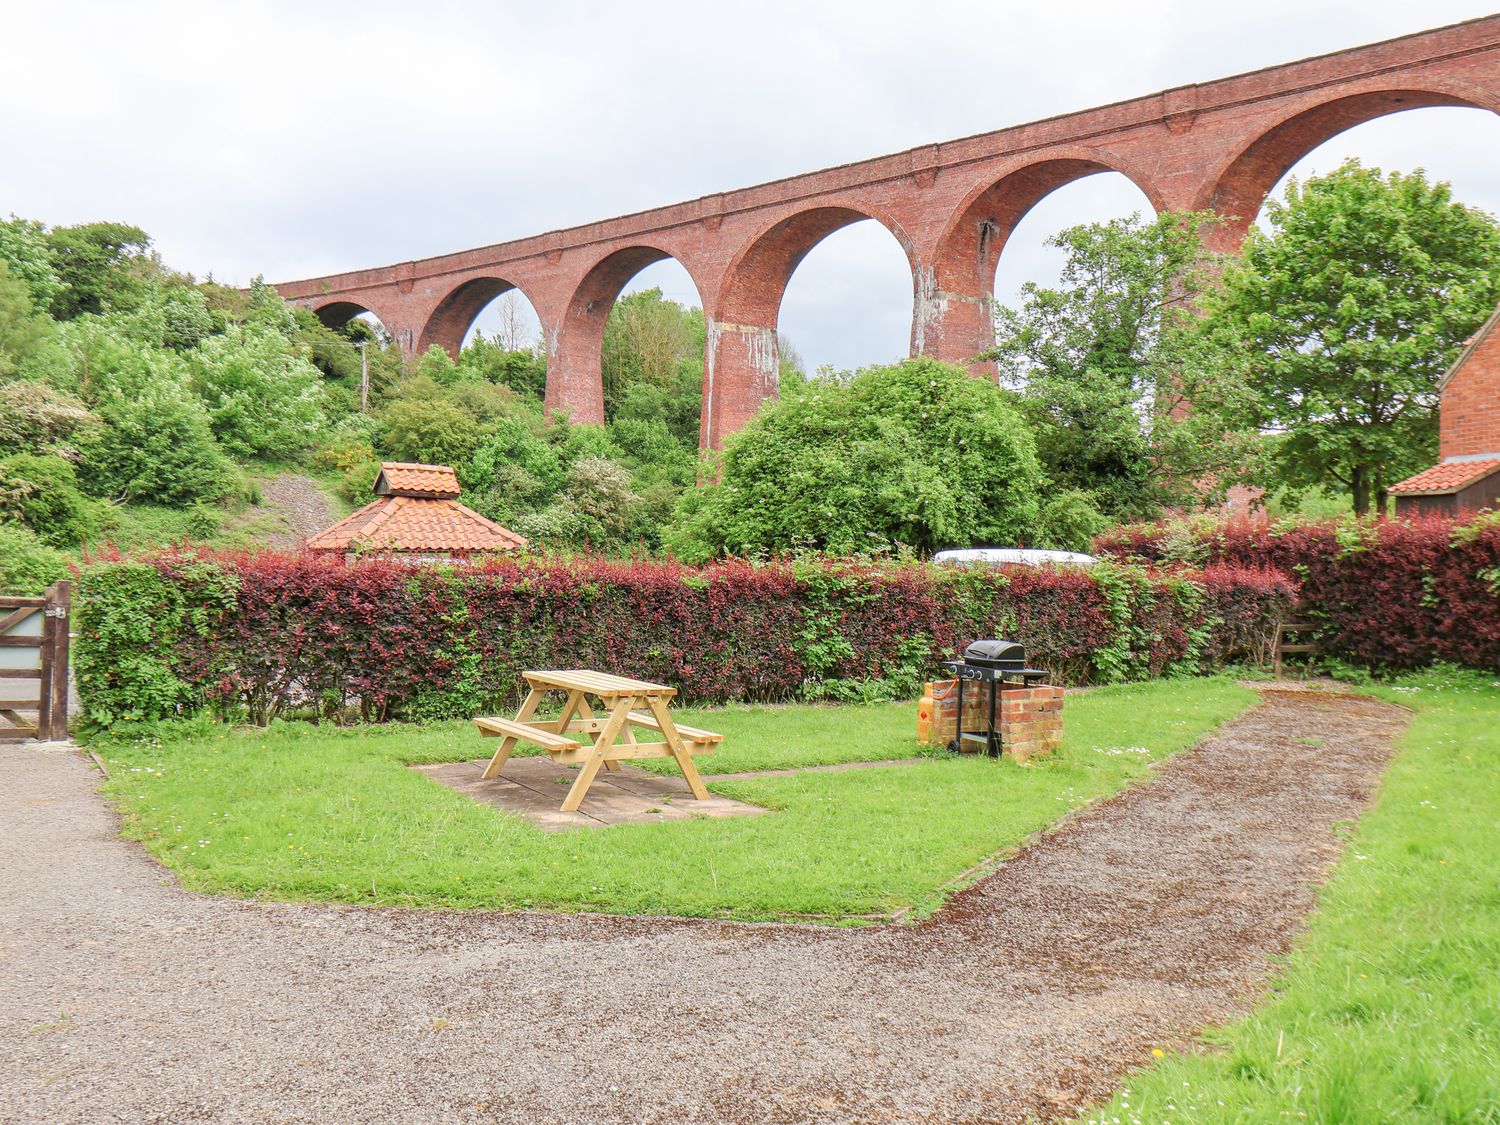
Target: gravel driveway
(123, 998)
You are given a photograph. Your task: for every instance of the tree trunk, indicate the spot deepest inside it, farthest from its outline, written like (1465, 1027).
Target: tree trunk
(1359, 484)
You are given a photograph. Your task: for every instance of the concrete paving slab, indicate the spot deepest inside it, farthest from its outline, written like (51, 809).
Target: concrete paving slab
(535, 788)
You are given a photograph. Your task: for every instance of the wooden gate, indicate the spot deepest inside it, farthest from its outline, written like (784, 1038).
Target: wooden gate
(34, 664)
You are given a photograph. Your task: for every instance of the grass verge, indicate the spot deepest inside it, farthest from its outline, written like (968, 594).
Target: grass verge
(299, 812)
(1389, 1010)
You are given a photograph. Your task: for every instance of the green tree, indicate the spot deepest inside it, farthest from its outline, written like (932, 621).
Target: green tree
(1097, 365)
(649, 339)
(330, 351)
(341, 353)
(429, 430)
(653, 452)
(917, 454)
(24, 332)
(675, 405)
(172, 315)
(264, 399)
(25, 249)
(264, 306)
(107, 362)
(1340, 319)
(523, 370)
(156, 446)
(92, 262)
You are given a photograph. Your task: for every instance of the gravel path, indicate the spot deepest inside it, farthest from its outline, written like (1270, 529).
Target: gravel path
(124, 999)
(300, 504)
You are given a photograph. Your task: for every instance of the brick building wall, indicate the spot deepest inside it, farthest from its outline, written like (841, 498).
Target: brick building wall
(1469, 414)
(1467, 476)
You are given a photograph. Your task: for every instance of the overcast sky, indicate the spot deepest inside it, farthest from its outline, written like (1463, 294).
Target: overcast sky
(296, 139)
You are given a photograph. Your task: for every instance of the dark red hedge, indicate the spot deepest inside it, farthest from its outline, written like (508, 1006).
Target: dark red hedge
(1386, 594)
(271, 633)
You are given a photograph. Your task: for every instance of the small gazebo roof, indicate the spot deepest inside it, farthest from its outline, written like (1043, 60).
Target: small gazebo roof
(416, 511)
(406, 478)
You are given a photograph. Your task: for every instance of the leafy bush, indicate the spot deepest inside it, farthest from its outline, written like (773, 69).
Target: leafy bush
(916, 454)
(1384, 593)
(27, 565)
(267, 634)
(1068, 522)
(36, 418)
(598, 494)
(358, 485)
(553, 526)
(157, 447)
(263, 399)
(513, 445)
(41, 493)
(129, 619)
(430, 430)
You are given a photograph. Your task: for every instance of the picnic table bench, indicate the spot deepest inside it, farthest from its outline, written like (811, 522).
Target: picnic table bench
(563, 738)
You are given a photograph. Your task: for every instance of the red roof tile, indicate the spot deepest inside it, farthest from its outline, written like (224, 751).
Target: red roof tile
(404, 478)
(407, 523)
(1449, 477)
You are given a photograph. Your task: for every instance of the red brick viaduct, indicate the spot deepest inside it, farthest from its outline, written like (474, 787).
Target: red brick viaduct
(1219, 145)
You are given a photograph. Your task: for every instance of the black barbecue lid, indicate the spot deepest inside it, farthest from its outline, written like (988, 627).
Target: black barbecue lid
(996, 650)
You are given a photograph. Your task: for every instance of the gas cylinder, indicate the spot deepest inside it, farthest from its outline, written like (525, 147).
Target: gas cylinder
(924, 714)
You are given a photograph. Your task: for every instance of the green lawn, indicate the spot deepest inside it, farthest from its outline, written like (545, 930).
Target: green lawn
(321, 813)
(769, 738)
(1389, 1011)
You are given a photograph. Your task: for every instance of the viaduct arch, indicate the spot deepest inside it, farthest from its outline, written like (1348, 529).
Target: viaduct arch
(1220, 145)
(747, 306)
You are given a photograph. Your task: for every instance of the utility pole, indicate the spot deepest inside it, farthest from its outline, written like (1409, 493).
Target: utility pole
(364, 377)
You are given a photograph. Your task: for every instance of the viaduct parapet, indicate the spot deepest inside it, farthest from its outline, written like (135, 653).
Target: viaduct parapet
(1220, 146)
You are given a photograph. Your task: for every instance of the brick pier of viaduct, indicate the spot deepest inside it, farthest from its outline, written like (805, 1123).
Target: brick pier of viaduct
(1220, 145)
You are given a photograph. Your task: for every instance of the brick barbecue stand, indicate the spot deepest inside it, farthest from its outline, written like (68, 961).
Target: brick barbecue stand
(1028, 720)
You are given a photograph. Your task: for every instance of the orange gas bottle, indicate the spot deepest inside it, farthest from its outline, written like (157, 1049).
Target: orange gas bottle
(924, 714)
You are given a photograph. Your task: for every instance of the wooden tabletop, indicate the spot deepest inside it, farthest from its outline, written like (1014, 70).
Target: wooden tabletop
(602, 684)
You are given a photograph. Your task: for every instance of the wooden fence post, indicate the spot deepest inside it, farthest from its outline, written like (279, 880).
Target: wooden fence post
(59, 617)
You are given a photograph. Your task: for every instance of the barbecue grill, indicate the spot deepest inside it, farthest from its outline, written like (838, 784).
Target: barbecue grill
(1000, 664)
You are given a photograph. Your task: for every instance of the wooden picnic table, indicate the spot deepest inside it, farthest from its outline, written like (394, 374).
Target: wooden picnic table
(618, 697)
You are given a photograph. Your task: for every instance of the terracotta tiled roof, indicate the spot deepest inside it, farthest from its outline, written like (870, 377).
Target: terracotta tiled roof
(404, 478)
(417, 510)
(408, 523)
(1449, 477)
